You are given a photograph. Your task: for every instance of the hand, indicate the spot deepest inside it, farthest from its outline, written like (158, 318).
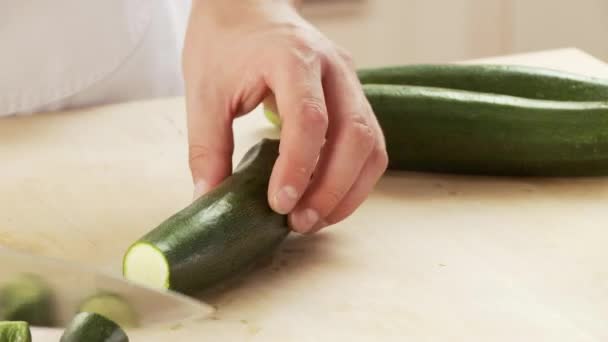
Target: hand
(238, 53)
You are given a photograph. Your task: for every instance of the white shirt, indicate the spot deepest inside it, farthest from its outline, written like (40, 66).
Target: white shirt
(64, 54)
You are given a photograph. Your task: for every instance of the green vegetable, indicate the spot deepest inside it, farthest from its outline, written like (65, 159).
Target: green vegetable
(92, 327)
(216, 236)
(15, 332)
(27, 298)
(272, 116)
(426, 128)
(111, 306)
(520, 81)
(454, 131)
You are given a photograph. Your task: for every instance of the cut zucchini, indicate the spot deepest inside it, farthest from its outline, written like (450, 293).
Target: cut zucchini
(92, 327)
(147, 265)
(15, 332)
(113, 307)
(215, 237)
(27, 298)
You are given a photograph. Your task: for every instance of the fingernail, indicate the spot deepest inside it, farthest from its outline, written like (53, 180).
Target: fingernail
(285, 199)
(200, 188)
(304, 221)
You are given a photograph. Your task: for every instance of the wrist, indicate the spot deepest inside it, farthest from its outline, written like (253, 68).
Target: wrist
(294, 3)
(234, 13)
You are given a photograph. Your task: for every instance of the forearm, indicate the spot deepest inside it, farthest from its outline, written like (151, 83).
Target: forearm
(232, 3)
(231, 13)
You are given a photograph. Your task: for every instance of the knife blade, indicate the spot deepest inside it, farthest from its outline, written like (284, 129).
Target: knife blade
(49, 292)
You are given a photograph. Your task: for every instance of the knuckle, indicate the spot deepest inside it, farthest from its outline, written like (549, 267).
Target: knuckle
(196, 152)
(361, 134)
(302, 39)
(313, 114)
(380, 158)
(331, 197)
(346, 57)
(305, 57)
(200, 152)
(304, 52)
(302, 43)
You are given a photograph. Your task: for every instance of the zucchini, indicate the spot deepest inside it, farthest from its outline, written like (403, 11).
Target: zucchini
(93, 327)
(455, 131)
(272, 117)
(521, 81)
(27, 298)
(111, 306)
(428, 129)
(15, 332)
(216, 236)
(431, 129)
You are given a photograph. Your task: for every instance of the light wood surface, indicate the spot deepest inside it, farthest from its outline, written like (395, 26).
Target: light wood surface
(426, 258)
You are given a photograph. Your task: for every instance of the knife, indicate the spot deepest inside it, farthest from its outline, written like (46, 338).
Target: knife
(48, 292)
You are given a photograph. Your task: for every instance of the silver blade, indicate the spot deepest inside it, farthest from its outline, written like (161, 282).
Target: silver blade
(70, 285)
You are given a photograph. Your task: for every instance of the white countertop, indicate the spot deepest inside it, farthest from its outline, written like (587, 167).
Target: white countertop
(426, 258)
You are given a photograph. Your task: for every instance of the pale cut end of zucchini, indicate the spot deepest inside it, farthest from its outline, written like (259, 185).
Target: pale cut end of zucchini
(272, 117)
(113, 307)
(271, 112)
(145, 264)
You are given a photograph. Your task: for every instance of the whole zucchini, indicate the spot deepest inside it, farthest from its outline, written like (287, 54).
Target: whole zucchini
(455, 131)
(521, 81)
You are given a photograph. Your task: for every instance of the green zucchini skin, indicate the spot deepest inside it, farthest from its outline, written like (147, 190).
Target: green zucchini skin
(27, 298)
(15, 332)
(521, 81)
(451, 131)
(225, 230)
(92, 327)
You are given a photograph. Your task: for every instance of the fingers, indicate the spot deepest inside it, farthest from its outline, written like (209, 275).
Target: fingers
(339, 169)
(369, 176)
(210, 138)
(352, 137)
(328, 129)
(300, 100)
(374, 168)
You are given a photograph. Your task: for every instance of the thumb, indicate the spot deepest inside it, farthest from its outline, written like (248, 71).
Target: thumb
(210, 142)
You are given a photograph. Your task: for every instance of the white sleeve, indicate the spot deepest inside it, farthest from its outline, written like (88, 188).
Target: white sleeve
(64, 54)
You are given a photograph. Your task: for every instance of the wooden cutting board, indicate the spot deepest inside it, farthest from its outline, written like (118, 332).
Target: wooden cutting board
(426, 258)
